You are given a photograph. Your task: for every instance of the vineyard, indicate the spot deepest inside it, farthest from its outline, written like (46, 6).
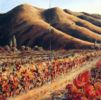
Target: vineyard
(21, 72)
(86, 86)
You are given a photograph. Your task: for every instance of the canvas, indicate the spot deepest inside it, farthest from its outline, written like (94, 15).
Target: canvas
(50, 50)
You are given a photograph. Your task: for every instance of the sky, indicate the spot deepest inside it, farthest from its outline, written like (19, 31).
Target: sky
(90, 6)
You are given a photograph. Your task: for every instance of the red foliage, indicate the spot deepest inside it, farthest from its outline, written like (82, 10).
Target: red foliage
(97, 86)
(89, 90)
(82, 79)
(87, 86)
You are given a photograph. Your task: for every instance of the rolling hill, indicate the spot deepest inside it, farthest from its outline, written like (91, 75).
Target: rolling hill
(62, 28)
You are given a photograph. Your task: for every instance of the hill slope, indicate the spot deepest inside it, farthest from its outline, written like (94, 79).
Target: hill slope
(31, 26)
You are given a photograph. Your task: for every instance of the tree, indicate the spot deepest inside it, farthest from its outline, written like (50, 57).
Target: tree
(13, 41)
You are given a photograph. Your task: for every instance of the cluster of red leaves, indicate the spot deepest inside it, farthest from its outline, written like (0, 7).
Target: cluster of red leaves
(83, 88)
(82, 79)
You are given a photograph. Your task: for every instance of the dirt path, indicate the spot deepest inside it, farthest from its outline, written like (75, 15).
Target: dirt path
(58, 84)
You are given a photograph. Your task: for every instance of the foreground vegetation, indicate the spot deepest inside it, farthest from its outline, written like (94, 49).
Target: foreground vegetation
(85, 86)
(21, 72)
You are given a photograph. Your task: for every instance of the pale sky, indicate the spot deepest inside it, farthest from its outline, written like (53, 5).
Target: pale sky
(91, 6)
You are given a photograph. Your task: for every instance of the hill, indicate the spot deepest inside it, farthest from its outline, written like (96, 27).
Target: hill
(31, 26)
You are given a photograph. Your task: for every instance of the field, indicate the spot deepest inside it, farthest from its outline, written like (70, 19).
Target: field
(85, 86)
(26, 75)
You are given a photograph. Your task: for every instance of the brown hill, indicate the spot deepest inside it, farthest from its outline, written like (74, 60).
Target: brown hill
(30, 25)
(69, 24)
(98, 16)
(92, 18)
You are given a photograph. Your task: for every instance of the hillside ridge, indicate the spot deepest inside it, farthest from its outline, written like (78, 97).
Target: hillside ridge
(31, 26)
